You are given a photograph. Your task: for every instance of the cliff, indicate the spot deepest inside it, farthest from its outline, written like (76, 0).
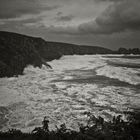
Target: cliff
(17, 51)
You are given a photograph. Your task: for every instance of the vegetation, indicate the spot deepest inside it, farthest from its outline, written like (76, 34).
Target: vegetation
(95, 129)
(128, 51)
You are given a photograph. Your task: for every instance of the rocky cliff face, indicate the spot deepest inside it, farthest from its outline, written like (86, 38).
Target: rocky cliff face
(17, 51)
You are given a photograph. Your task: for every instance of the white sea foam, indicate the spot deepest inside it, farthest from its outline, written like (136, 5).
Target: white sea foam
(77, 62)
(128, 75)
(51, 93)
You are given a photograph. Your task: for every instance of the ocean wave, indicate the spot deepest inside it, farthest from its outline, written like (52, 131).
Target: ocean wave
(123, 74)
(44, 92)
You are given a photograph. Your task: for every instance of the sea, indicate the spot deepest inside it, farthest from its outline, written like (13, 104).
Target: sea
(104, 85)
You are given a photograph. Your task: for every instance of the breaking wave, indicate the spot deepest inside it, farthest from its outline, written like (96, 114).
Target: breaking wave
(75, 84)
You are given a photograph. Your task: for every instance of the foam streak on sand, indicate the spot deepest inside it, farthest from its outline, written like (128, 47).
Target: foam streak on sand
(64, 93)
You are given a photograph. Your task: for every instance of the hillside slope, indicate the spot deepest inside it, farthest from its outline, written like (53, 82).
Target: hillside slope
(70, 49)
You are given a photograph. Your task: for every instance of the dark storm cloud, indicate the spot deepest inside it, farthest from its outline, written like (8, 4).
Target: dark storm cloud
(17, 8)
(118, 17)
(22, 24)
(59, 13)
(31, 20)
(108, 0)
(64, 18)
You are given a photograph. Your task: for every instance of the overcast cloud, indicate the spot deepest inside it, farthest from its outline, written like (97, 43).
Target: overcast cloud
(17, 8)
(118, 17)
(95, 22)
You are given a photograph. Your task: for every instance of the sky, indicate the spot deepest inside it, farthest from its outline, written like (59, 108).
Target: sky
(107, 23)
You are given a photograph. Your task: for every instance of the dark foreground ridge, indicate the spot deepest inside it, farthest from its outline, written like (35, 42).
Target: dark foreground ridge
(95, 129)
(17, 51)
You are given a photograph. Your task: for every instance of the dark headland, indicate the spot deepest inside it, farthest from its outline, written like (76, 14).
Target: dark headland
(17, 51)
